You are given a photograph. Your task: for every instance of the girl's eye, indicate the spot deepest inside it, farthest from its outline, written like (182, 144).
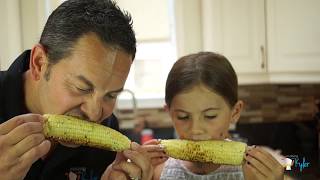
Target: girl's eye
(210, 117)
(183, 117)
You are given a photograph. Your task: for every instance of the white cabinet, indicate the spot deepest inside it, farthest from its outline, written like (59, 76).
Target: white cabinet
(235, 28)
(293, 35)
(187, 26)
(265, 40)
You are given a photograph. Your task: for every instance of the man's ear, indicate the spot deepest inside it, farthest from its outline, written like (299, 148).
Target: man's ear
(38, 61)
(236, 111)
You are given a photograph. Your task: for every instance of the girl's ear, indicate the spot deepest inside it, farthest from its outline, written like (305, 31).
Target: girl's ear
(38, 61)
(166, 108)
(236, 111)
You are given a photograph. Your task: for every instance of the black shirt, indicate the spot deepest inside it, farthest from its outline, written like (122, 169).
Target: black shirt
(83, 162)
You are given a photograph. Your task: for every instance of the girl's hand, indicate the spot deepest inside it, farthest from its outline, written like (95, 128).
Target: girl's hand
(130, 164)
(155, 152)
(259, 164)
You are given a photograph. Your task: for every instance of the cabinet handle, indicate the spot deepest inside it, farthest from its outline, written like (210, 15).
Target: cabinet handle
(263, 56)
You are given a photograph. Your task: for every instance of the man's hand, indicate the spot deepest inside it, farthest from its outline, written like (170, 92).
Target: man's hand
(261, 165)
(21, 144)
(138, 167)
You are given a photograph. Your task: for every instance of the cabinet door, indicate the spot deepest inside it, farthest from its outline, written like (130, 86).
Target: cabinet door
(293, 35)
(236, 28)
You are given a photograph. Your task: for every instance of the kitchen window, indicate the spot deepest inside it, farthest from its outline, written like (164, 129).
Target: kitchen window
(156, 51)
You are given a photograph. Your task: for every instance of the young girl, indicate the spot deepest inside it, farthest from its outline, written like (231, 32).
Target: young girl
(202, 100)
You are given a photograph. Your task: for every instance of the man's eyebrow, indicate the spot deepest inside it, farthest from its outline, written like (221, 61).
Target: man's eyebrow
(85, 80)
(89, 83)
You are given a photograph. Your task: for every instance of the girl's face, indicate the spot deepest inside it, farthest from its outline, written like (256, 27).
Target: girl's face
(201, 114)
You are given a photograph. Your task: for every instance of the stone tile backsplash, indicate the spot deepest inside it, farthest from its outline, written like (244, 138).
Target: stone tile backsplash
(263, 103)
(272, 103)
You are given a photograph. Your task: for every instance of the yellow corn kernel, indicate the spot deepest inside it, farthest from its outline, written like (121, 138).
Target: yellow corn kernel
(218, 152)
(76, 131)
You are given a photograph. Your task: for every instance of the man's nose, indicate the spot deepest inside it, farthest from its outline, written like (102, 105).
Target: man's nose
(93, 109)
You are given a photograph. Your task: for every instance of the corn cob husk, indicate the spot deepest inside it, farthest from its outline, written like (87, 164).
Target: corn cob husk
(76, 131)
(218, 152)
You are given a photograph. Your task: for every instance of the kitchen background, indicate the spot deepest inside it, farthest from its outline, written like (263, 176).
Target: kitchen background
(274, 46)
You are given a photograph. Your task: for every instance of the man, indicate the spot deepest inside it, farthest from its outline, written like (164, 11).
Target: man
(78, 68)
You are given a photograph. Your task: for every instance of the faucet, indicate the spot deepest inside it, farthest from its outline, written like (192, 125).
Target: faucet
(117, 112)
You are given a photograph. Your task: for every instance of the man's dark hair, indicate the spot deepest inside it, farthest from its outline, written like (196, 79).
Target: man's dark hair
(75, 18)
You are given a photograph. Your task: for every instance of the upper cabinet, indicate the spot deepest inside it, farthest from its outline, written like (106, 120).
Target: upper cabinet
(265, 40)
(293, 31)
(236, 29)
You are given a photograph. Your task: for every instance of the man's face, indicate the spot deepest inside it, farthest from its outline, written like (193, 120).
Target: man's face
(86, 83)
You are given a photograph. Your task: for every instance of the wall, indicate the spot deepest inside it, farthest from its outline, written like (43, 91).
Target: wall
(10, 32)
(263, 103)
(21, 25)
(272, 102)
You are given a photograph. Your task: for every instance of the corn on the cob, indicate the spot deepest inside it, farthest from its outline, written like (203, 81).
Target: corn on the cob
(218, 152)
(73, 130)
